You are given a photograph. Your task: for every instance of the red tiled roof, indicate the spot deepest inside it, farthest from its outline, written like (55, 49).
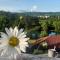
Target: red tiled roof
(53, 40)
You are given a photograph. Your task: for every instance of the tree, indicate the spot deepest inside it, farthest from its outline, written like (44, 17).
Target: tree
(2, 22)
(56, 25)
(44, 25)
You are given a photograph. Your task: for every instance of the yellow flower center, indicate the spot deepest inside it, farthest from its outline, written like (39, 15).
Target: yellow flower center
(13, 41)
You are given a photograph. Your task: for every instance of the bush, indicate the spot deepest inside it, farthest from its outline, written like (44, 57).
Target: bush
(33, 35)
(43, 34)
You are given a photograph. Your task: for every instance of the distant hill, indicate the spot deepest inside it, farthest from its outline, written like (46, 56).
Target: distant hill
(31, 13)
(41, 13)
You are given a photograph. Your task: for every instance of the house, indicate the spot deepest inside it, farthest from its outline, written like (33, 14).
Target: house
(46, 16)
(52, 41)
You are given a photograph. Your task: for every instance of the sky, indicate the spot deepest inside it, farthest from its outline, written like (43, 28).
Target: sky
(30, 5)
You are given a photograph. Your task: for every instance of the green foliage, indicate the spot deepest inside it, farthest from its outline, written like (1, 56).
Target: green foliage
(40, 49)
(29, 23)
(56, 25)
(2, 22)
(36, 51)
(44, 25)
(43, 33)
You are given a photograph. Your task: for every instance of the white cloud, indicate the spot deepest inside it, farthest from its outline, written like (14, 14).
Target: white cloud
(3, 8)
(34, 8)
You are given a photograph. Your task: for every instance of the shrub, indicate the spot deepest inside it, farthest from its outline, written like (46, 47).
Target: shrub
(43, 34)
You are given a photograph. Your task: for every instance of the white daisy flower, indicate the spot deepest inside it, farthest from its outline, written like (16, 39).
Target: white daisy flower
(13, 42)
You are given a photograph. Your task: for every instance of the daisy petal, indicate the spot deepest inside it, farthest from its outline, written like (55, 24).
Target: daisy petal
(11, 29)
(4, 42)
(22, 34)
(3, 52)
(2, 45)
(24, 44)
(8, 32)
(23, 48)
(20, 31)
(15, 32)
(18, 49)
(3, 35)
(14, 53)
(15, 56)
(24, 39)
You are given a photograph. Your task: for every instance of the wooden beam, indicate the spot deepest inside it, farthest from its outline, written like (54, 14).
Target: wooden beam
(38, 41)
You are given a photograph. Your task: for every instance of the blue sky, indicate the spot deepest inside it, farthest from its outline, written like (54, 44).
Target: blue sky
(30, 5)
